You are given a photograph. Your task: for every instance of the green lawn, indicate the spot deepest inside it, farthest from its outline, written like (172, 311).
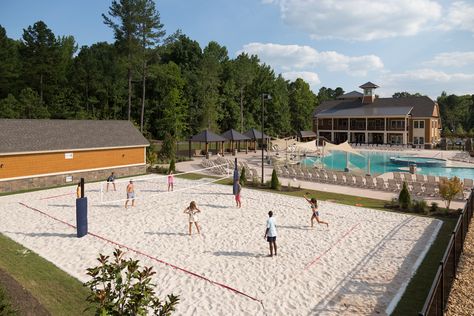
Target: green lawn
(415, 295)
(57, 291)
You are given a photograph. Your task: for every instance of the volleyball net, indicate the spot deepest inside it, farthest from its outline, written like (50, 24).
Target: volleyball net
(148, 186)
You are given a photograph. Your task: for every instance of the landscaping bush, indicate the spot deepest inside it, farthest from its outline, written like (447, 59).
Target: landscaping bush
(434, 207)
(275, 183)
(120, 287)
(419, 206)
(404, 198)
(243, 177)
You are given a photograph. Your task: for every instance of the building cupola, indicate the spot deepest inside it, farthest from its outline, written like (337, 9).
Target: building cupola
(369, 95)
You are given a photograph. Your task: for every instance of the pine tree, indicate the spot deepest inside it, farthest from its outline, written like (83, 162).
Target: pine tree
(172, 166)
(275, 183)
(404, 197)
(243, 177)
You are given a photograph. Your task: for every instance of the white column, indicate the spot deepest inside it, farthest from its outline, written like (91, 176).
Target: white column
(384, 137)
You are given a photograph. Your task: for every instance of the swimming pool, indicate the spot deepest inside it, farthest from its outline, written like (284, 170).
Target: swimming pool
(380, 163)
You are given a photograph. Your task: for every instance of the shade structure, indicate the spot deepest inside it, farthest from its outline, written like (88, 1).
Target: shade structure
(345, 147)
(233, 136)
(207, 137)
(255, 134)
(307, 146)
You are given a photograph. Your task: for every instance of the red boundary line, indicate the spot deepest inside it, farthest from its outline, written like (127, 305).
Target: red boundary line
(55, 196)
(148, 256)
(327, 250)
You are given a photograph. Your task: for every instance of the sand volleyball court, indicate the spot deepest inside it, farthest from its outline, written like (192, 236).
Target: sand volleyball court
(356, 266)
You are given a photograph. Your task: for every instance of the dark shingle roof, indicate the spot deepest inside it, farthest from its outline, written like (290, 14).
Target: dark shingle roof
(368, 85)
(351, 95)
(304, 134)
(207, 137)
(416, 106)
(19, 136)
(255, 134)
(232, 134)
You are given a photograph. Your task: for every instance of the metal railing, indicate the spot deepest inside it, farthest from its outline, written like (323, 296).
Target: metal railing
(437, 299)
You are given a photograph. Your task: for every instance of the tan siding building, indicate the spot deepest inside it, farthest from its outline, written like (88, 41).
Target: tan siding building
(362, 118)
(43, 153)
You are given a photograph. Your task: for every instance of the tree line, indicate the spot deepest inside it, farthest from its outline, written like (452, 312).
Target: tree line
(165, 84)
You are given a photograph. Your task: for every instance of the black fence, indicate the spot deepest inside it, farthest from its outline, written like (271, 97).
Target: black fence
(435, 303)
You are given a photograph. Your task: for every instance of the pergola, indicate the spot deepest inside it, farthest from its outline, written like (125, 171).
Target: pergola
(207, 137)
(233, 136)
(256, 135)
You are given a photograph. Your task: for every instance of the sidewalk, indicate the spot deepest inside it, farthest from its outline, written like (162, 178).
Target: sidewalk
(254, 161)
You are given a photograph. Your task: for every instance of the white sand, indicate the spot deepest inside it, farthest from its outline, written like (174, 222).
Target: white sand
(356, 266)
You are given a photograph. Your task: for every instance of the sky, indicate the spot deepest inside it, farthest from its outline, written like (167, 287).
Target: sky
(424, 46)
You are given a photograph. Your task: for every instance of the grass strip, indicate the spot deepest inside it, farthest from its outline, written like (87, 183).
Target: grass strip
(417, 291)
(57, 291)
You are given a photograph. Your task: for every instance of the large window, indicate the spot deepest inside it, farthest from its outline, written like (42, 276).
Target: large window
(418, 124)
(397, 124)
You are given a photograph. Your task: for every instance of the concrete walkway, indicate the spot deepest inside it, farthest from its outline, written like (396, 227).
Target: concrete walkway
(254, 161)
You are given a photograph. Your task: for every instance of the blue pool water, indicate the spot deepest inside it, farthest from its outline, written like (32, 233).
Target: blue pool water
(380, 163)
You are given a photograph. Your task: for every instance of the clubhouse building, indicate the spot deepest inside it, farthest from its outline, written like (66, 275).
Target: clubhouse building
(366, 119)
(45, 153)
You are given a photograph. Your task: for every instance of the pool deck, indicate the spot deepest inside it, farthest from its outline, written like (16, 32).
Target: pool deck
(254, 161)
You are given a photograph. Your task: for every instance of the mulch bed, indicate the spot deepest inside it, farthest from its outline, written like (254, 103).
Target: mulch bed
(21, 300)
(461, 301)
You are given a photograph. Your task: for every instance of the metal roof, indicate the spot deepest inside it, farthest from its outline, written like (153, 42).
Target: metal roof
(20, 136)
(207, 137)
(416, 106)
(255, 134)
(232, 134)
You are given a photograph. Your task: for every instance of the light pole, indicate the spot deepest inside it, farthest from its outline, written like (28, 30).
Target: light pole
(265, 96)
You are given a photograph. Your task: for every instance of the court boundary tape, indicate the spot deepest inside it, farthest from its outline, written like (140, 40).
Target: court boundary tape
(308, 265)
(147, 255)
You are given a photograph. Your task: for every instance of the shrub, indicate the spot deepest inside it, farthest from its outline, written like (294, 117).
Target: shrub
(243, 177)
(419, 206)
(434, 207)
(151, 156)
(404, 198)
(5, 306)
(172, 166)
(119, 287)
(275, 183)
(448, 189)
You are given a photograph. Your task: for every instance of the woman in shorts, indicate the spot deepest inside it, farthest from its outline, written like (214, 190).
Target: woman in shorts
(314, 210)
(192, 211)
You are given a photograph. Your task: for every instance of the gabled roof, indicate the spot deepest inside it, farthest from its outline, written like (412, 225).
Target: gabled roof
(255, 134)
(368, 85)
(416, 106)
(207, 137)
(232, 134)
(21, 136)
(351, 95)
(304, 134)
